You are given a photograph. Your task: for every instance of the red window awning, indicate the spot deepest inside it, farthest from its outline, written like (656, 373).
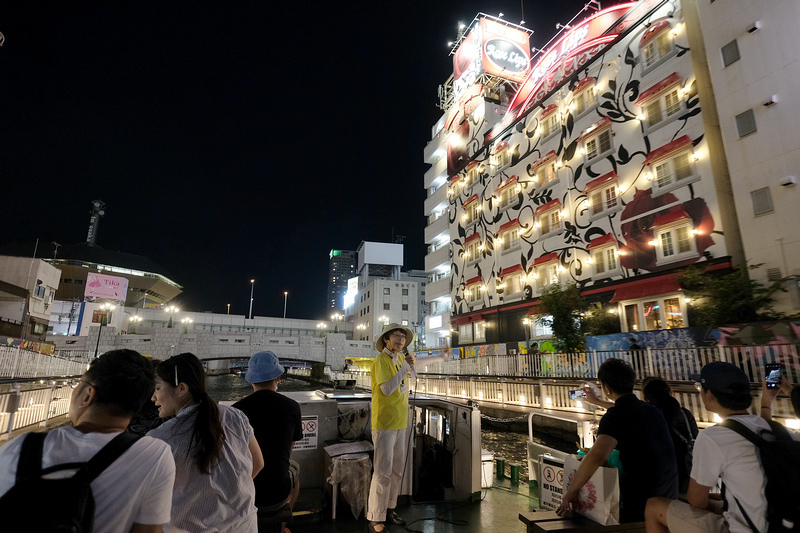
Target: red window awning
(511, 270)
(469, 200)
(549, 206)
(508, 225)
(669, 218)
(500, 147)
(510, 181)
(585, 82)
(544, 159)
(473, 281)
(608, 238)
(654, 29)
(595, 128)
(666, 83)
(472, 237)
(549, 110)
(546, 258)
(599, 182)
(647, 287)
(681, 143)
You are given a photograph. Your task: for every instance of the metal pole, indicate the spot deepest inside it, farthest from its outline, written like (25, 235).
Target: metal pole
(97, 346)
(252, 282)
(285, 297)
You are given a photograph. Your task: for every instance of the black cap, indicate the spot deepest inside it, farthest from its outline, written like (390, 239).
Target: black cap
(720, 376)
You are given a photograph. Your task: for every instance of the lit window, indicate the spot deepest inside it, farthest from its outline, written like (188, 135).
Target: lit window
(501, 156)
(673, 170)
(547, 275)
(548, 217)
(672, 165)
(654, 313)
(675, 242)
(604, 260)
(584, 96)
(656, 47)
(549, 122)
(598, 144)
(465, 333)
(545, 169)
(508, 193)
(662, 107)
(471, 210)
(603, 199)
(480, 331)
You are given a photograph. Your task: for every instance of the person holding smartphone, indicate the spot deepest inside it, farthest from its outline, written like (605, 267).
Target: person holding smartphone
(775, 383)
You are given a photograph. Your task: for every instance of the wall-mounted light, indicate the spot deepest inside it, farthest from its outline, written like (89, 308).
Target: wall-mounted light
(652, 243)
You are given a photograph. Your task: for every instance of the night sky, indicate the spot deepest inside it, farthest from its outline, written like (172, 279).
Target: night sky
(229, 140)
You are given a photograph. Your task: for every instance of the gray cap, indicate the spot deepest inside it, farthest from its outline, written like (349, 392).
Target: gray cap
(263, 366)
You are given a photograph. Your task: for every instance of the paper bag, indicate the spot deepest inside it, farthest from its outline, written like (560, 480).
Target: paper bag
(598, 500)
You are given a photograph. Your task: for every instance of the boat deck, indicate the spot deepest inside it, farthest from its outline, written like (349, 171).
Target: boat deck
(497, 511)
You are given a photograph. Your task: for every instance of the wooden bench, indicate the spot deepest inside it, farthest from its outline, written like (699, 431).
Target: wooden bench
(272, 521)
(546, 521)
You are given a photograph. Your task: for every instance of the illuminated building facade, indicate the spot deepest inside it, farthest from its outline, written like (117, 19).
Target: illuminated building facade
(341, 267)
(604, 166)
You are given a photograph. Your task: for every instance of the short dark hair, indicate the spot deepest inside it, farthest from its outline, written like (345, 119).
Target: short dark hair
(617, 375)
(736, 401)
(123, 380)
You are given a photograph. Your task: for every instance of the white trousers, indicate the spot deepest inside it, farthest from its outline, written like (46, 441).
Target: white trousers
(391, 446)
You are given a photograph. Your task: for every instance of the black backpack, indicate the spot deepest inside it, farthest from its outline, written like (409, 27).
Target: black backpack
(65, 505)
(780, 460)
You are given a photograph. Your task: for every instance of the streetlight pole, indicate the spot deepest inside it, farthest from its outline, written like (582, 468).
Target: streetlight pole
(285, 298)
(134, 320)
(103, 322)
(527, 322)
(336, 317)
(186, 321)
(171, 310)
(252, 282)
(229, 308)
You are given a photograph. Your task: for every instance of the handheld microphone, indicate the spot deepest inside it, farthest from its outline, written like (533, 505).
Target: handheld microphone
(413, 369)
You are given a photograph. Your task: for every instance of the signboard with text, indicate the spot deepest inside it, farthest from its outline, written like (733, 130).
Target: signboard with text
(103, 286)
(310, 433)
(551, 481)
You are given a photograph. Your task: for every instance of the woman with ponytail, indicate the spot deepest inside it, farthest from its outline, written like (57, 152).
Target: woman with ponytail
(216, 454)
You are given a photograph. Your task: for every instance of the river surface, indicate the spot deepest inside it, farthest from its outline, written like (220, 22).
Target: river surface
(508, 445)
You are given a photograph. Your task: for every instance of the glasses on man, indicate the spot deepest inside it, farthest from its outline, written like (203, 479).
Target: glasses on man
(399, 335)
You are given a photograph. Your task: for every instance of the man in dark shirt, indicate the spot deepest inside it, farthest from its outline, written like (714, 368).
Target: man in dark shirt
(276, 421)
(640, 433)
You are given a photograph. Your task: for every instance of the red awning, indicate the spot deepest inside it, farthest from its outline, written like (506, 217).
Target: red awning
(669, 218)
(472, 237)
(552, 204)
(508, 225)
(511, 270)
(549, 110)
(654, 29)
(471, 165)
(647, 287)
(608, 238)
(473, 281)
(457, 321)
(535, 310)
(666, 83)
(544, 159)
(599, 182)
(678, 144)
(546, 258)
(585, 82)
(500, 146)
(470, 200)
(594, 128)
(454, 179)
(510, 181)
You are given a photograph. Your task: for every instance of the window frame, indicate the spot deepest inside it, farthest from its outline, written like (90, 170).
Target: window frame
(508, 243)
(660, 55)
(462, 329)
(596, 136)
(674, 181)
(606, 252)
(672, 230)
(767, 196)
(641, 319)
(476, 326)
(663, 108)
(603, 191)
(549, 271)
(554, 219)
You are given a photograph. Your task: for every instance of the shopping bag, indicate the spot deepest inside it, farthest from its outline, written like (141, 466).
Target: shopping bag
(598, 499)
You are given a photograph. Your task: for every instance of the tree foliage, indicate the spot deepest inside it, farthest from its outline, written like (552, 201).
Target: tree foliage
(729, 298)
(599, 321)
(562, 307)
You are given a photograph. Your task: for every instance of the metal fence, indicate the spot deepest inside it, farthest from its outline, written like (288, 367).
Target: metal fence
(672, 364)
(18, 363)
(35, 406)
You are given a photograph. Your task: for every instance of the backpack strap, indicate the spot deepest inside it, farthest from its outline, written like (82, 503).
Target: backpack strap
(30, 457)
(742, 430)
(110, 453)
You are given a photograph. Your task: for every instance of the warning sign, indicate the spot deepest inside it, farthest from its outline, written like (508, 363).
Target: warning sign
(551, 481)
(310, 432)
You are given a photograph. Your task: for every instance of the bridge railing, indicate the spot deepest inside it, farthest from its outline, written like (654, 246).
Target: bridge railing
(20, 408)
(25, 364)
(673, 364)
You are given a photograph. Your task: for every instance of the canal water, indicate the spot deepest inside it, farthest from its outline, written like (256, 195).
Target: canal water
(511, 446)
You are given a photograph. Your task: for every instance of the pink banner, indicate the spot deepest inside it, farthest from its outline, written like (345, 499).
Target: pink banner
(102, 286)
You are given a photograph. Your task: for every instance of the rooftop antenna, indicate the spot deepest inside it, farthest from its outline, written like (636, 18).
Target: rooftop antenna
(55, 251)
(98, 210)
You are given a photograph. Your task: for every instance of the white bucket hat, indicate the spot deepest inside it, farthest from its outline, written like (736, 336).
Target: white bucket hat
(380, 345)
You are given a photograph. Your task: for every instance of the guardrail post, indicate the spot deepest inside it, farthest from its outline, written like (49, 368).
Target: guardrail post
(47, 405)
(11, 409)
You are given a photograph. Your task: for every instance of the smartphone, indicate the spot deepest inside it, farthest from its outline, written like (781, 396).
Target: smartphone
(774, 372)
(576, 394)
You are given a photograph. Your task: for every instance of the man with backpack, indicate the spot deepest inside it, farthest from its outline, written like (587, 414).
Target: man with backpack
(738, 452)
(91, 476)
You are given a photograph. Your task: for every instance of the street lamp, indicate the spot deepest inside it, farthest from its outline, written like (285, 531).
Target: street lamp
(285, 297)
(336, 317)
(134, 320)
(229, 308)
(527, 322)
(106, 308)
(321, 326)
(252, 282)
(186, 322)
(361, 327)
(383, 320)
(171, 310)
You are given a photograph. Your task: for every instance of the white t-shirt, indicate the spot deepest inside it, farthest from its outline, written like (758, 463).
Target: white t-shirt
(134, 489)
(224, 500)
(722, 453)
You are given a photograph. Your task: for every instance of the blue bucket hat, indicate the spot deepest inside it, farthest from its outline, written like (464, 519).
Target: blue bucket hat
(263, 366)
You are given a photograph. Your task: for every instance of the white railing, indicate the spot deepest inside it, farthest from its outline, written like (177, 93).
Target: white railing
(25, 364)
(22, 408)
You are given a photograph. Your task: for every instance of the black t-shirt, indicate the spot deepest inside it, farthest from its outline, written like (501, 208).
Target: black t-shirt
(645, 451)
(276, 422)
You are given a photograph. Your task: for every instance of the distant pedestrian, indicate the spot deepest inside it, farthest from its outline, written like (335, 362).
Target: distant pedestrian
(277, 424)
(634, 345)
(216, 454)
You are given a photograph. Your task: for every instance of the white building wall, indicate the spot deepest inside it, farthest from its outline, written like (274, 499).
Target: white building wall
(27, 273)
(769, 65)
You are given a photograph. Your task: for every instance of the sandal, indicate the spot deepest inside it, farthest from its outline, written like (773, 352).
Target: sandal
(396, 519)
(373, 530)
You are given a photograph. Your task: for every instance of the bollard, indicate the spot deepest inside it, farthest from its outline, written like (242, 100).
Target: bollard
(501, 468)
(514, 474)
